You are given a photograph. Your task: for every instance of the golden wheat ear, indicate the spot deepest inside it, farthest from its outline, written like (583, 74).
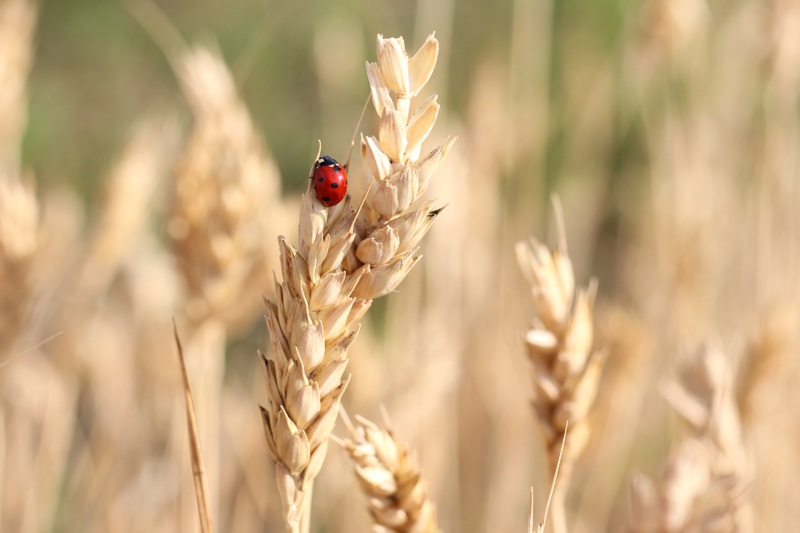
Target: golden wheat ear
(389, 476)
(198, 470)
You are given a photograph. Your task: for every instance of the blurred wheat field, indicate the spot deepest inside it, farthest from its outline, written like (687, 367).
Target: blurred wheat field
(152, 154)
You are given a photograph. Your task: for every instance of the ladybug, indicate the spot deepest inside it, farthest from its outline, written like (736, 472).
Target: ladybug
(330, 181)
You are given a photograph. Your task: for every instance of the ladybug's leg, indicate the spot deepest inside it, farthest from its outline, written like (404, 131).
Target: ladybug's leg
(353, 142)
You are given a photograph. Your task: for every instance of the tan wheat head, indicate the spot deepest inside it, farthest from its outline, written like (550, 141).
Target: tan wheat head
(390, 477)
(566, 371)
(343, 260)
(227, 201)
(703, 487)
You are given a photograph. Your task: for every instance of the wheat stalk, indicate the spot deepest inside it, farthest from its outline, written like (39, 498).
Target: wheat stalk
(343, 260)
(540, 527)
(390, 477)
(566, 371)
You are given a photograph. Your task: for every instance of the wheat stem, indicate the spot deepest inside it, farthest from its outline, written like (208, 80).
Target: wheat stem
(198, 468)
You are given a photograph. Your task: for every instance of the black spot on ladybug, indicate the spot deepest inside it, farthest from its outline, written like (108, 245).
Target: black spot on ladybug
(334, 185)
(337, 168)
(320, 180)
(326, 199)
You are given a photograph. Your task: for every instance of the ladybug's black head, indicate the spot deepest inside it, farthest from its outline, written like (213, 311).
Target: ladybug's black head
(326, 161)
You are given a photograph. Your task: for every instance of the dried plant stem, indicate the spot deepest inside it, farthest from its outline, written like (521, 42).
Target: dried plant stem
(566, 371)
(198, 469)
(344, 259)
(540, 527)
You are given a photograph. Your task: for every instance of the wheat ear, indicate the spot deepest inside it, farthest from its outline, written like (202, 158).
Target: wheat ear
(390, 477)
(227, 191)
(328, 283)
(703, 486)
(566, 372)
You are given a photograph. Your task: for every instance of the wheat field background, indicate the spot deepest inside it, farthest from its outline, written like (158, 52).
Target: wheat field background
(151, 154)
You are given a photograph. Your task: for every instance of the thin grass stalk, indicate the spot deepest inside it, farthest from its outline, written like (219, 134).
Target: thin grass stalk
(540, 527)
(198, 470)
(344, 259)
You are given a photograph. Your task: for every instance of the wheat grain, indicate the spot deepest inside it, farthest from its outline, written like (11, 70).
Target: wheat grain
(566, 370)
(344, 259)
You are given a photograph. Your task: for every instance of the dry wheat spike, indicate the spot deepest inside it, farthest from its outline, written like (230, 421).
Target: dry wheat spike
(343, 260)
(390, 477)
(689, 497)
(566, 371)
(703, 487)
(227, 191)
(19, 207)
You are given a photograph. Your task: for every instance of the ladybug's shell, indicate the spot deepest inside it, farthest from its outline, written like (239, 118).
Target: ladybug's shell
(330, 184)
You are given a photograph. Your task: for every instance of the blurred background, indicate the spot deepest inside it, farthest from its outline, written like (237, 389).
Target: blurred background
(151, 153)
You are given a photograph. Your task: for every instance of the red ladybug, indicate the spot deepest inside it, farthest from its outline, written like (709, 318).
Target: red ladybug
(330, 181)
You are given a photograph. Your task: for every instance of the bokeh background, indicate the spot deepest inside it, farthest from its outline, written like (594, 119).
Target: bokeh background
(153, 152)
